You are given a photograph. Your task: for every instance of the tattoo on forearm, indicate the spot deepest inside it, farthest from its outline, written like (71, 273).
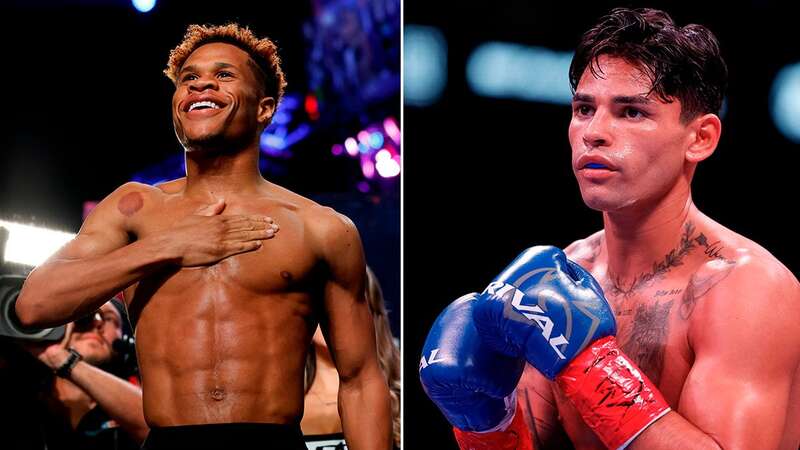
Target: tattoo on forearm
(545, 430)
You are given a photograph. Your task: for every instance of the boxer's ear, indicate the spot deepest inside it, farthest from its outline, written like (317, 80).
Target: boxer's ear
(266, 108)
(704, 136)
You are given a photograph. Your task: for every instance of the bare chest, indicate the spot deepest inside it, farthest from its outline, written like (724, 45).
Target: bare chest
(286, 264)
(653, 330)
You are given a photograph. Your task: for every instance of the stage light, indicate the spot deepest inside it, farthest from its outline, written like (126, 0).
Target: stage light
(352, 146)
(388, 167)
(281, 117)
(312, 106)
(30, 245)
(368, 168)
(376, 139)
(424, 64)
(392, 130)
(3, 240)
(784, 102)
(144, 5)
(383, 154)
(272, 143)
(363, 137)
(506, 70)
(376, 149)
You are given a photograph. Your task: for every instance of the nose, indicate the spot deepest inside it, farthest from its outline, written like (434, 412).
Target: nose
(98, 322)
(90, 322)
(200, 84)
(598, 131)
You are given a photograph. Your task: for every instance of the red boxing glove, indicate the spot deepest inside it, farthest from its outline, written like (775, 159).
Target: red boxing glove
(614, 398)
(515, 437)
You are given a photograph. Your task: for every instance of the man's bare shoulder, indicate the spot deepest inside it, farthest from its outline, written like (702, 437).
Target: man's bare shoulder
(585, 251)
(746, 260)
(746, 282)
(124, 200)
(133, 186)
(331, 228)
(750, 271)
(172, 186)
(325, 224)
(336, 241)
(288, 199)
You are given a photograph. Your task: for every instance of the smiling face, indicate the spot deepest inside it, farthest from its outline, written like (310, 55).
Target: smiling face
(628, 147)
(93, 337)
(219, 100)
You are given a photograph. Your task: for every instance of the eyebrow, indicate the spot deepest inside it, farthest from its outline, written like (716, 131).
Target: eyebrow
(619, 99)
(217, 66)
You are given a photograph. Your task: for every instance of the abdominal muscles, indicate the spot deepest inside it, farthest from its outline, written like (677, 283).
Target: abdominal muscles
(211, 352)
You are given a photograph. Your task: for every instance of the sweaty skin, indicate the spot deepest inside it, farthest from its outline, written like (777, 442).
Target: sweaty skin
(707, 314)
(224, 305)
(663, 325)
(213, 342)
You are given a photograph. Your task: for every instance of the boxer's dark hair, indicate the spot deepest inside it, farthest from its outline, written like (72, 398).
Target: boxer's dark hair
(681, 62)
(263, 53)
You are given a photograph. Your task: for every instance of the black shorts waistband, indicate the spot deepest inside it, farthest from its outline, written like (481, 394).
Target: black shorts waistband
(225, 436)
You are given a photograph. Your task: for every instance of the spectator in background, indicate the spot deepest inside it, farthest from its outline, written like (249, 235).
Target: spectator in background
(80, 405)
(321, 424)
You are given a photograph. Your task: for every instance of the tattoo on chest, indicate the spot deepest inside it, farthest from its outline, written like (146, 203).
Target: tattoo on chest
(667, 292)
(648, 337)
(690, 240)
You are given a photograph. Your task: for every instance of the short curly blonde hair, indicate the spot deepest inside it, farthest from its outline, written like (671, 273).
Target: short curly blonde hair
(263, 52)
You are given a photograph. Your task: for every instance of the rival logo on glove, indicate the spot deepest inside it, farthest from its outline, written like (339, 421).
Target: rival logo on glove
(531, 312)
(431, 360)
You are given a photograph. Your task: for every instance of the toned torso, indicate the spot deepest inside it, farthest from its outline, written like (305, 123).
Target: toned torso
(226, 342)
(659, 317)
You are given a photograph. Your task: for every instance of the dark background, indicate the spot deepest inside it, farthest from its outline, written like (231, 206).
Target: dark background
(87, 108)
(487, 178)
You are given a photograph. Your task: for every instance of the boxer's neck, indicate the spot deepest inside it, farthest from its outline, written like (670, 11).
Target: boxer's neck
(635, 240)
(222, 173)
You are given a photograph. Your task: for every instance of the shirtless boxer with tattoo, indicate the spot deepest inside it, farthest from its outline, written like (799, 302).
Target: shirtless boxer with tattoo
(707, 347)
(224, 304)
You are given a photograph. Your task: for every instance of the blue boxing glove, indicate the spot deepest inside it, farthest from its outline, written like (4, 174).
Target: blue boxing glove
(470, 383)
(549, 310)
(473, 385)
(544, 308)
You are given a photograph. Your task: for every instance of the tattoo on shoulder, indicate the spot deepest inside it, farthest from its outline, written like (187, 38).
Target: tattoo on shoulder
(699, 285)
(690, 240)
(593, 250)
